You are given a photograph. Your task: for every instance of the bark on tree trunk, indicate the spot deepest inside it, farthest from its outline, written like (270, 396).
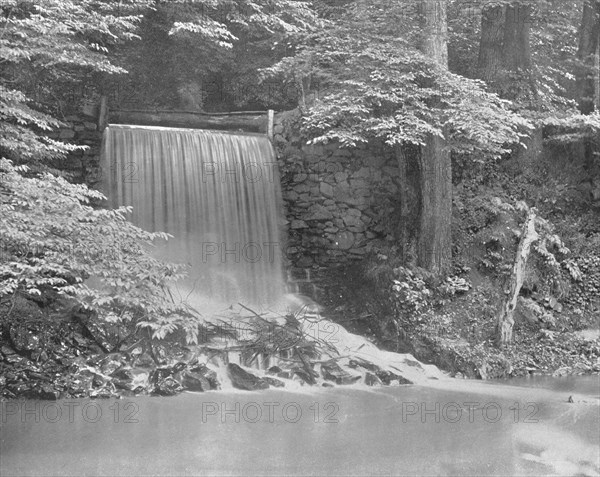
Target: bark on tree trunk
(504, 51)
(403, 190)
(589, 43)
(489, 62)
(434, 244)
(505, 316)
(516, 49)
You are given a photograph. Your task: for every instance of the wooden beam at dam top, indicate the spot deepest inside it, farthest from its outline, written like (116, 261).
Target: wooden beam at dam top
(251, 121)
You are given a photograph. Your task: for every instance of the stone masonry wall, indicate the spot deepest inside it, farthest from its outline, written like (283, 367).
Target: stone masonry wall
(81, 128)
(337, 200)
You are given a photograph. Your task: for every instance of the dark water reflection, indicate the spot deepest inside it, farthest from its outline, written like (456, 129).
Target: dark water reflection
(454, 428)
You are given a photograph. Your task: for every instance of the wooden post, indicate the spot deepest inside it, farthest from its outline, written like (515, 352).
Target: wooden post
(505, 317)
(270, 119)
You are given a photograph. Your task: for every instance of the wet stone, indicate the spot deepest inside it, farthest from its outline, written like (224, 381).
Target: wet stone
(208, 374)
(167, 387)
(242, 379)
(372, 380)
(274, 382)
(274, 370)
(194, 381)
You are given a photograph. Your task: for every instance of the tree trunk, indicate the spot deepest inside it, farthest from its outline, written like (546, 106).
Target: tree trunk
(489, 62)
(434, 244)
(516, 49)
(403, 191)
(505, 316)
(589, 39)
(504, 51)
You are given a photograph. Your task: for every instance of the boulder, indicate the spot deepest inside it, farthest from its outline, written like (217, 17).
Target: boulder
(124, 373)
(242, 379)
(208, 374)
(333, 372)
(274, 382)
(372, 380)
(274, 370)
(194, 381)
(167, 387)
(387, 377)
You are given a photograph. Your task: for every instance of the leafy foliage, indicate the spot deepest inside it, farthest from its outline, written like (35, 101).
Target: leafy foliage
(53, 240)
(204, 55)
(360, 79)
(47, 42)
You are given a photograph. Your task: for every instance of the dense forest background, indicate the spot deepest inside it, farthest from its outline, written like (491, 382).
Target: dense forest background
(491, 107)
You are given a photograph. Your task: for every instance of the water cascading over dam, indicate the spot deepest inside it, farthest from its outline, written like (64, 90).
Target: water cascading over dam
(217, 193)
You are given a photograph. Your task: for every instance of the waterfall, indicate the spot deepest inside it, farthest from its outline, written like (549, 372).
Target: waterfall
(218, 194)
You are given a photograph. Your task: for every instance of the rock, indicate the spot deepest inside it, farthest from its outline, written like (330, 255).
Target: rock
(372, 380)
(333, 372)
(388, 378)
(298, 224)
(285, 374)
(274, 370)
(358, 251)
(160, 374)
(242, 379)
(167, 387)
(194, 381)
(123, 384)
(274, 382)
(344, 240)
(208, 374)
(353, 221)
(318, 212)
(358, 184)
(304, 262)
(300, 177)
(45, 392)
(340, 176)
(326, 189)
(304, 376)
(124, 373)
(111, 363)
(6, 350)
(291, 195)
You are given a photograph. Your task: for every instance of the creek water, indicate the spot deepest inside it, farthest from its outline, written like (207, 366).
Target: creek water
(448, 427)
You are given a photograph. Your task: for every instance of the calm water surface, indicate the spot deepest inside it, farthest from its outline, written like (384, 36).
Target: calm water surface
(448, 428)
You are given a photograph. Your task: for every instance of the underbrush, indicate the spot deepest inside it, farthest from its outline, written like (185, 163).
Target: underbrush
(451, 322)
